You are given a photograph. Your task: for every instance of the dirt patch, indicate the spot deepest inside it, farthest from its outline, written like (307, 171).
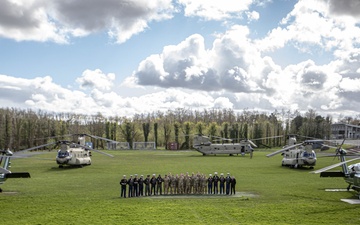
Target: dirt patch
(244, 195)
(9, 193)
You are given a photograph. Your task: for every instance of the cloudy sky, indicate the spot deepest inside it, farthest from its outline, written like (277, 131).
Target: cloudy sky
(121, 57)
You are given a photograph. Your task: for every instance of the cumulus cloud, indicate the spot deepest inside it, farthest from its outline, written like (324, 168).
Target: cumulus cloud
(240, 65)
(345, 7)
(42, 93)
(58, 20)
(96, 79)
(215, 10)
(233, 64)
(310, 24)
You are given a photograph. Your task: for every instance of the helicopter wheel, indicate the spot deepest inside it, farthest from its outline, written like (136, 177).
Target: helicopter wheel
(0, 190)
(296, 166)
(61, 166)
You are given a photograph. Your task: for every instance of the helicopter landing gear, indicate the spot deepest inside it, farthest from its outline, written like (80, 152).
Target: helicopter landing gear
(348, 188)
(61, 166)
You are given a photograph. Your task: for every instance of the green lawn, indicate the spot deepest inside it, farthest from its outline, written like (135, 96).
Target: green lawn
(90, 195)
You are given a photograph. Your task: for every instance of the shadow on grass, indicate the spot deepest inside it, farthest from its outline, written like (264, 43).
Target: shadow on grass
(57, 168)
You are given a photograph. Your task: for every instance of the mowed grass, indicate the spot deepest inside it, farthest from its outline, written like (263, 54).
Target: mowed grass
(90, 195)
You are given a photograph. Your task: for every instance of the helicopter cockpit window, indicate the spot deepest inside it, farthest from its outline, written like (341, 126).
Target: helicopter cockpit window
(307, 154)
(63, 154)
(356, 168)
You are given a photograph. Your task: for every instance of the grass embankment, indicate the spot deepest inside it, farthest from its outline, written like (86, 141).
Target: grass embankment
(90, 195)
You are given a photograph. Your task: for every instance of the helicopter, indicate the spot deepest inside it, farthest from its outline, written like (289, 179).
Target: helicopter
(297, 155)
(203, 145)
(351, 173)
(74, 154)
(5, 173)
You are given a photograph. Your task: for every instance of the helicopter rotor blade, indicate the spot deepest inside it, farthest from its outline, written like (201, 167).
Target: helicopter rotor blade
(333, 166)
(267, 138)
(104, 153)
(36, 147)
(97, 137)
(283, 150)
(52, 137)
(252, 143)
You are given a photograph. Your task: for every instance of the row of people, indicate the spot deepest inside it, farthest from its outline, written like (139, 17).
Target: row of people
(177, 184)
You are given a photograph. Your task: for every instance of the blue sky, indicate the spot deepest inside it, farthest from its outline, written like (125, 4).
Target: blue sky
(121, 57)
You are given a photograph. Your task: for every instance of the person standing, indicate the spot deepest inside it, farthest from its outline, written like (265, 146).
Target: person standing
(187, 183)
(192, 184)
(203, 184)
(159, 182)
(153, 185)
(166, 184)
(233, 183)
(210, 184)
(147, 185)
(181, 184)
(135, 188)
(228, 183)
(222, 183)
(130, 182)
(215, 182)
(172, 184)
(123, 183)
(141, 185)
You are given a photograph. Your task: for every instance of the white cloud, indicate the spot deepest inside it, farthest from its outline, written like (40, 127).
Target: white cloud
(58, 20)
(96, 79)
(233, 64)
(253, 15)
(310, 24)
(215, 10)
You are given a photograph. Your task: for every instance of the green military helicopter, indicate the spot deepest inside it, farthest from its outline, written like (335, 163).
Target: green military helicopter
(5, 173)
(351, 173)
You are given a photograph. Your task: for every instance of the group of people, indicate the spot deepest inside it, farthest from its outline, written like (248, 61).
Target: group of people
(177, 184)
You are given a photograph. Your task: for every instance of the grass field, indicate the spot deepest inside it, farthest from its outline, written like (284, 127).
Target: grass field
(90, 195)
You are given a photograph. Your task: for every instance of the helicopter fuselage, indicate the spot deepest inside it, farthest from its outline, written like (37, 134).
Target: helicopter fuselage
(353, 178)
(73, 155)
(202, 144)
(214, 149)
(298, 158)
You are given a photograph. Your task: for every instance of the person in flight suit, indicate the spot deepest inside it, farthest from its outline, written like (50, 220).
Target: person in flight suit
(166, 184)
(172, 184)
(228, 183)
(123, 183)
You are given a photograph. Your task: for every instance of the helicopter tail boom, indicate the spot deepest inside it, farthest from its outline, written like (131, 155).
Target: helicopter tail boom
(17, 175)
(332, 174)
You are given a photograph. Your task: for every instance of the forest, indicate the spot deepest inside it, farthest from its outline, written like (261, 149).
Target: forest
(21, 129)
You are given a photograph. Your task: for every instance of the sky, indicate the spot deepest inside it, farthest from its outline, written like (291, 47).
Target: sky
(127, 57)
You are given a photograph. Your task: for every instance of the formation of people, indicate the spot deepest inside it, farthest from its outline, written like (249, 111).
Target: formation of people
(183, 184)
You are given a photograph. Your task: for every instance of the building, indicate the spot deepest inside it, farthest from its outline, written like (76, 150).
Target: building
(343, 130)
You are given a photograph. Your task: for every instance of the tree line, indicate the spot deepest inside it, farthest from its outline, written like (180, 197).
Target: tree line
(21, 129)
